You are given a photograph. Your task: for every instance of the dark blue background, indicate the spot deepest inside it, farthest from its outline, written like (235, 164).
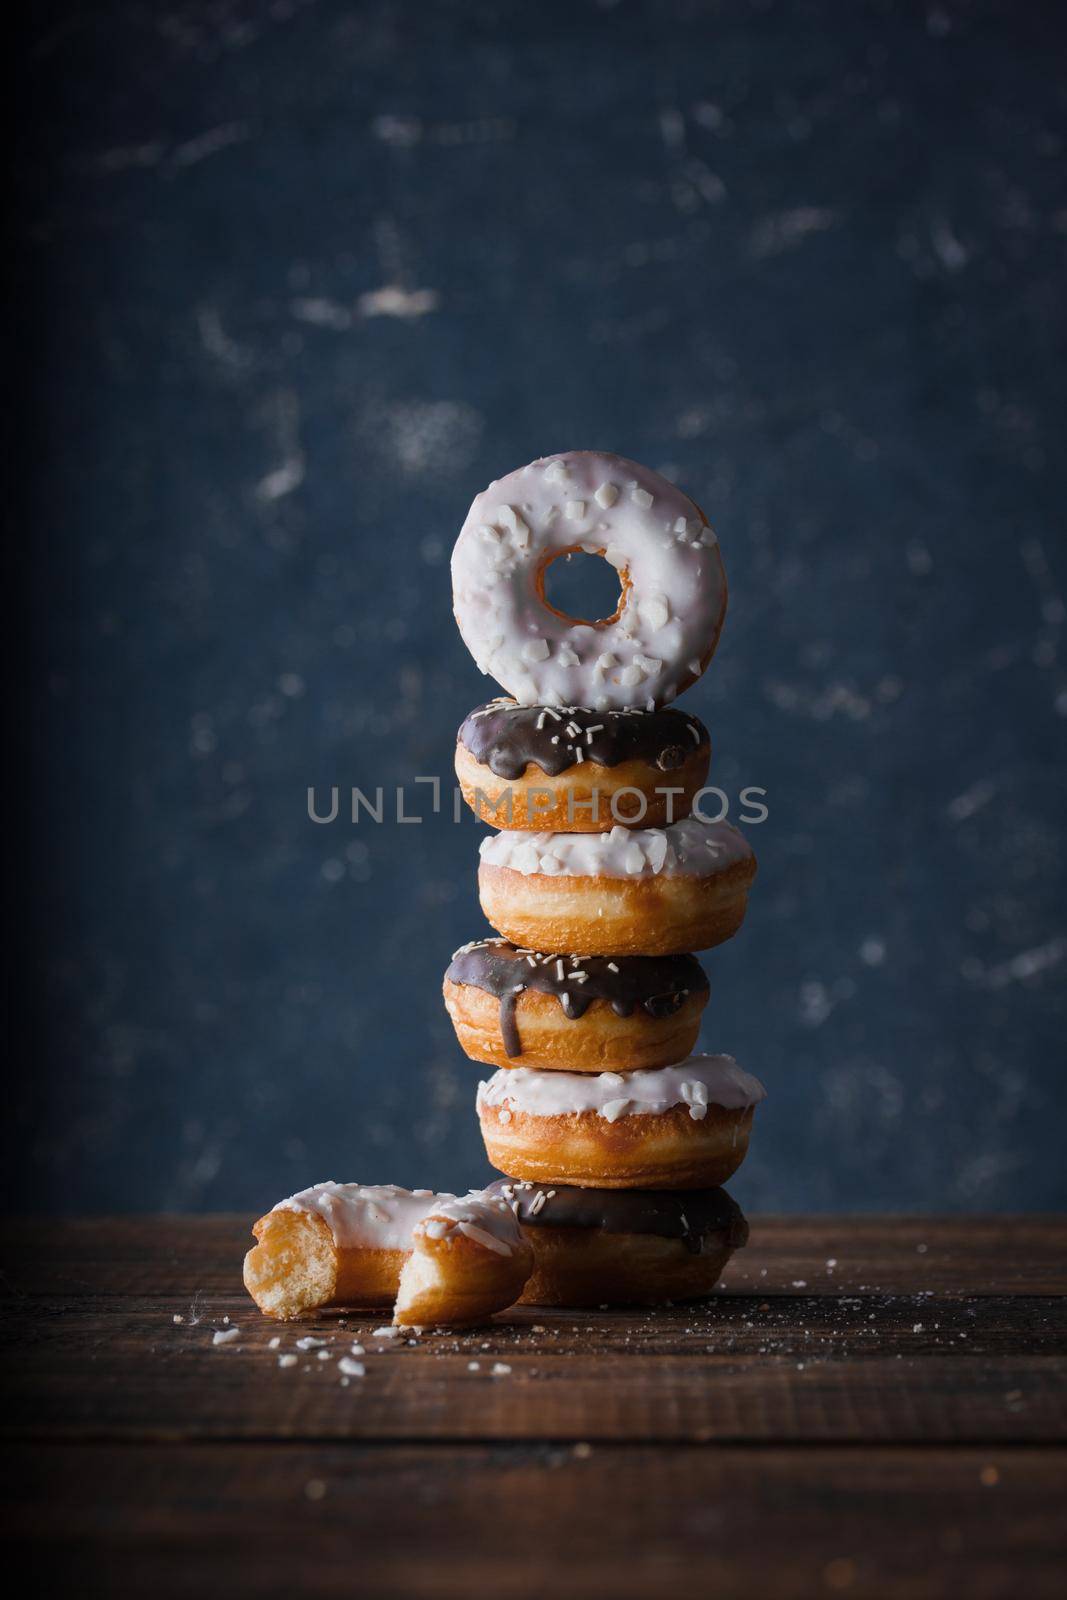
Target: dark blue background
(293, 282)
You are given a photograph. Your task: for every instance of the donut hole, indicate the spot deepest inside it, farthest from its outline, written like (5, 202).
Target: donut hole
(583, 588)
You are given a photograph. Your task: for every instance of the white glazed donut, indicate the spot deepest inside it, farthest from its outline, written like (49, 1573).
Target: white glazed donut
(673, 600)
(357, 1244)
(633, 891)
(681, 1127)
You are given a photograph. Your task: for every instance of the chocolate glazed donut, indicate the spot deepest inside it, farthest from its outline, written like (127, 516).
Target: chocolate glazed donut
(623, 1246)
(573, 769)
(571, 1013)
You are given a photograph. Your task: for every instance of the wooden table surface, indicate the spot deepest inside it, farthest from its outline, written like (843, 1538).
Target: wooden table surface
(873, 1406)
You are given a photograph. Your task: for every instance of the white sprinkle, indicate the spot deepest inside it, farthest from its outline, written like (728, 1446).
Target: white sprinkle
(324, 1355)
(612, 1110)
(225, 1335)
(272, 1344)
(574, 510)
(386, 1333)
(641, 497)
(566, 656)
(655, 611)
(511, 519)
(555, 472)
(287, 1361)
(535, 650)
(309, 1342)
(612, 967)
(500, 1369)
(177, 1317)
(474, 1366)
(350, 1368)
(606, 496)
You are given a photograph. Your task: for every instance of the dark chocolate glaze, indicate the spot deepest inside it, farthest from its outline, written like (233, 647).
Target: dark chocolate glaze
(660, 985)
(687, 1214)
(506, 737)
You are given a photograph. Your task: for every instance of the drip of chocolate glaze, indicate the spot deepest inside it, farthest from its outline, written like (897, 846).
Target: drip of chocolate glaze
(660, 985)
(506, 737)
(687, 1214)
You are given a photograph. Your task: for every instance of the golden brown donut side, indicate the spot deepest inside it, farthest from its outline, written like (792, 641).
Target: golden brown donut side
(665, 1150)
(588, 1267)
(599, 1041)
(668, 914)
(520, 803)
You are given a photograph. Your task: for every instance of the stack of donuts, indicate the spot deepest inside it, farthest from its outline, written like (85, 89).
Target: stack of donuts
(602, 879)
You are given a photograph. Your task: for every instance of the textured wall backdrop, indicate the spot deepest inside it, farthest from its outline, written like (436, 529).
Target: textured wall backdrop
(294, 281)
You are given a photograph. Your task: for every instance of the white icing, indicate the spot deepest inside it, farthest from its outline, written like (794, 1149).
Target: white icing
(383, 1216)
(645, 527)
(366, 1217)
(485, 1218)
(697, 1082)
(689, 848)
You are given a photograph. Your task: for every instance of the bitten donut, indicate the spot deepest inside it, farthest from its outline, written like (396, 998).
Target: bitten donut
(638, 891)
(681, 1127)
(623, 1246)
(347, 1243)
(573, 1013)
(580, 771)
(673, 587)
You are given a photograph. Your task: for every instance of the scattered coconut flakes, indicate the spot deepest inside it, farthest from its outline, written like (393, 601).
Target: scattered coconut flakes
(287, 1360)
(500, 1369)
(309, 1342)
(350, 1368)
(386, 1333)
(606, 496)
(225, 1335)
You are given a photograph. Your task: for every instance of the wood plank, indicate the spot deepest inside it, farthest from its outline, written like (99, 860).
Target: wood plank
(731, 1370)
(615, 1522)
(179, 1257)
